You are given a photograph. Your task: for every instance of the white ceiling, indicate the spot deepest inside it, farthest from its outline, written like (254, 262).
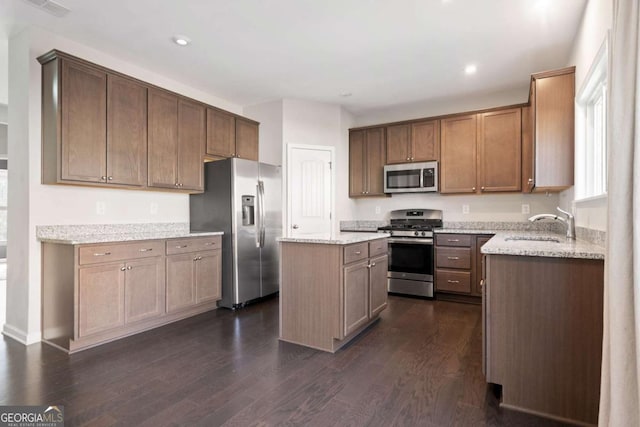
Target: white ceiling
(384, 52)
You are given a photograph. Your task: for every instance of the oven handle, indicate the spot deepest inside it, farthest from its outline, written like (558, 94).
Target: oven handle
(412, 241)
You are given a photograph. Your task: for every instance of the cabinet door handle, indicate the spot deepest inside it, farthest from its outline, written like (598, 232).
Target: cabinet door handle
(176, 184)
(129, 267)
(123, 268)
(199, 258)
(530, 180)
(453, 281)
(145, 250)
(195, 258)
(103, 178)
(408, 158)
(453, 240)
(481, 283)
(110, 178)
(473, 188)
(102, 254)
(453, 257)
(481, 188)
(373, 264)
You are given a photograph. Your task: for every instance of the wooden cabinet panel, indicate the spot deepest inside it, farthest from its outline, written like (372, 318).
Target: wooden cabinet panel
(209, 276)
(528, 161)
(478, 273)
(180, 281)
(221, 133)
(378, 285)
(163, 139)
(398, 144)
(376, 158)
(144, 289)
(191, 141)
(356, 252)
(453, 281)
(458, 154)
(246, 139)
(499, 150)
(193, 244)
(356, 296)
(126, 132)
(453, 258)
(425, 141)
(100, 298)
(357, 163)
(110, 252)
(453, 240)
(554, 131)
(378, 247)
(84, 123)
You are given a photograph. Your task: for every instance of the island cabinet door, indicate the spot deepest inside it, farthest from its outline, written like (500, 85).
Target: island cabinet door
(356, 296)
(100, 298)
(180, 281)
(144, 289)
(378, 285)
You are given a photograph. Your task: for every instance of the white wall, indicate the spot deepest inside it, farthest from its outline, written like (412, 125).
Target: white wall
(269, 115)
(32, 203)
(596, 21)
(498, 207)
(4, 71)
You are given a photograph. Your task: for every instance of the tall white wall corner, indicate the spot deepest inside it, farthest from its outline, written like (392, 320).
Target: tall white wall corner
(21, 336)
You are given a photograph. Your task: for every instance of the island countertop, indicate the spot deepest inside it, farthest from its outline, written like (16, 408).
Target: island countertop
(335, 238)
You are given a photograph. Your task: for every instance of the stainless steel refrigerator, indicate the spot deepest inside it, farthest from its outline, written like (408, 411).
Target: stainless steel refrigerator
(243, 198)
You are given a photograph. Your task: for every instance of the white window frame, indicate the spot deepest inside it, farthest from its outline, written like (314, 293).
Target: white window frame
(591, 146)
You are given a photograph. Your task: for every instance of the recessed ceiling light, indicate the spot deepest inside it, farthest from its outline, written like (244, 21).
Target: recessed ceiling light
(346, 94)
(470, 69)
(181, 40)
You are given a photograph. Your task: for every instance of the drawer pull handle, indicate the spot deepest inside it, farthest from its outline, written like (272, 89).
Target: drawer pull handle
(453, 281)
(145, 249)
(453, 258)
(102, 254)
(453, 240)
(357, 252)
(181, 246)
(209, 244)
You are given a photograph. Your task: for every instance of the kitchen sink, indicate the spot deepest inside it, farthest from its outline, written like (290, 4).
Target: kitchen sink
(534, 238)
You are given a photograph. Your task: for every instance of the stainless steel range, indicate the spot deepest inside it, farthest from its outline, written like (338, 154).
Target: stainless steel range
(411, 251)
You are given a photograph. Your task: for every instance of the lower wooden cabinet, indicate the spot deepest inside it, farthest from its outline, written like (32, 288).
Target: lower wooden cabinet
(93, 294)
(329, 293)
(458, 271)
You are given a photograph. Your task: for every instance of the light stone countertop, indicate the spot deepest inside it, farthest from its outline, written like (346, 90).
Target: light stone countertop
(112, 233)
(539, 244)
(335, 238)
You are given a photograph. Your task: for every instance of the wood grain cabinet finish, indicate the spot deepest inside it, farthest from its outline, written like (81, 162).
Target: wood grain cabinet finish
(548, 133)
(342, 295)
(221, 133)
(413, 142)
(367, 157)
(543, 334)
(191, 142)
(92, 294)
(459, 266)
(481, 152)
(246, 139)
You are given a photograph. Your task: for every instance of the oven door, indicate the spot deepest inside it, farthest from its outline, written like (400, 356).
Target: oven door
(411, 259)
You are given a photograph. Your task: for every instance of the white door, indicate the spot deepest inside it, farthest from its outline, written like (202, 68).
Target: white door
(309, 183)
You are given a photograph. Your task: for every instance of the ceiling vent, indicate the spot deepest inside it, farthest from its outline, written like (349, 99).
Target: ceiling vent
(49, 6)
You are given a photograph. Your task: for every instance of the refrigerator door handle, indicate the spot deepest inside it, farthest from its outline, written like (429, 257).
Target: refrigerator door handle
(261, 229)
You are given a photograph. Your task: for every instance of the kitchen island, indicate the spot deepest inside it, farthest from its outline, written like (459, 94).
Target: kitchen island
(332, 287)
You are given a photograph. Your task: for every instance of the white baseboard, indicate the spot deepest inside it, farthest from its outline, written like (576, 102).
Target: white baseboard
(20, 336)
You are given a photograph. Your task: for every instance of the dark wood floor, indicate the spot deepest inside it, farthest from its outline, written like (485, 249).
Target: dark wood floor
(420, 365)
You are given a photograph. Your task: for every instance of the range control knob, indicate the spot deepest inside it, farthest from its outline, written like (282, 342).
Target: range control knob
(424, 233)
(417, 233)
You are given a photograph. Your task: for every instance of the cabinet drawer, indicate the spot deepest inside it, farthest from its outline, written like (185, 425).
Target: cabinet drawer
(356, 252)
(453, 258)
(453, 240)
(193, 244)
(453, 281)
(95, 254)
(378, 247)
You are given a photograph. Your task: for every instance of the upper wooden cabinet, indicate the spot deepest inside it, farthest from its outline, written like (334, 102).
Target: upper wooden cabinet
(231, 136)
(481, 152)
(548, 133)
(413, 142)
(103, 128)
(366, 162)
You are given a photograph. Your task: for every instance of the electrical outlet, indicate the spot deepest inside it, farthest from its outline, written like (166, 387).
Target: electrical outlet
(153, 208)
(377, 209)
(101, 208)
(525, 208)
(465, 209)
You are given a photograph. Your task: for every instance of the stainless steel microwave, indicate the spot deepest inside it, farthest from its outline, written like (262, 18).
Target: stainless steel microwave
(411, 178)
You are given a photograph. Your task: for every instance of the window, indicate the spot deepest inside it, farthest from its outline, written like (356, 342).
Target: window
(591, 130)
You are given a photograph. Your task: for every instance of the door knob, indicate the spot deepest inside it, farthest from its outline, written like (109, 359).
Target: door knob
(295, 226)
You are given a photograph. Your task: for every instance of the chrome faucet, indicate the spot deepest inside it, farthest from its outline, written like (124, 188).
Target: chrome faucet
(569, 221)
